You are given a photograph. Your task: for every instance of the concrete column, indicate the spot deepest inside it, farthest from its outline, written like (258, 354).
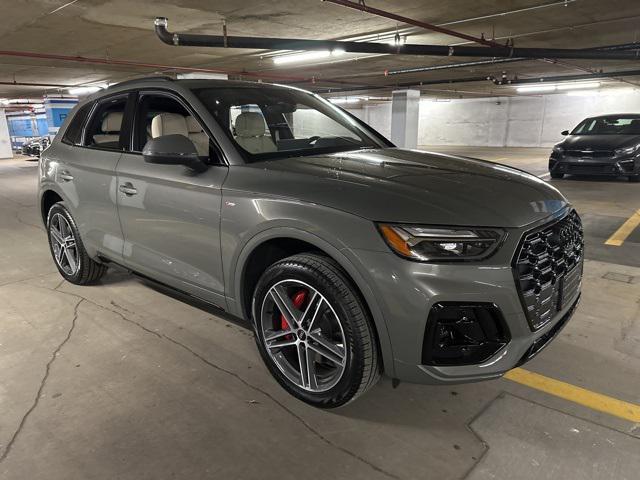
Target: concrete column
(5, 139)
(405, 106)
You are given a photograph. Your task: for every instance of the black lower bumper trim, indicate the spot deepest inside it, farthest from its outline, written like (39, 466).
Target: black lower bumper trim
(541, 342)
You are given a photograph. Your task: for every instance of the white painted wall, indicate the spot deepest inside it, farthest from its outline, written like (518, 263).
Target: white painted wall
(532, 121)
(5, 139)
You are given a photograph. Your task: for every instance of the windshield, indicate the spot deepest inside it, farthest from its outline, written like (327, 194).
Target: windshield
(273, 122)
(614, 125)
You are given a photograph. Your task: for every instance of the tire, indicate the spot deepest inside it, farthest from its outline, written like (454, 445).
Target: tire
(556, 175)
(349, 369)
(634, 178)
(83, 270)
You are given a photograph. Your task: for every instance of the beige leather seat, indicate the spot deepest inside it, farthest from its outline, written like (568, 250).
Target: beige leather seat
(198, 137)
(110, 127)
(250, 133)
(169, 124)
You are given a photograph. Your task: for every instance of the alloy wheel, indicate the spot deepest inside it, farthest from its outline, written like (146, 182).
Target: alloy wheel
(63, 243)
(303, 335)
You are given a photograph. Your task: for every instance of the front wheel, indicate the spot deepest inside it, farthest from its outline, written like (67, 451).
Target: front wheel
(313, 331)
(556, 175)
(634, 178)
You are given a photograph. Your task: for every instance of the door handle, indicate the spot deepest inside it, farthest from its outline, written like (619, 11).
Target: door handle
(65, 176)
(128, 189)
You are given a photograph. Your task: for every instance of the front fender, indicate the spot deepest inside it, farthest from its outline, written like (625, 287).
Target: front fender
(335, 248)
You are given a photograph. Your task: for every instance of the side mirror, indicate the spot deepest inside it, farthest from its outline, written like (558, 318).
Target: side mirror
(173, 150)
(564, 132)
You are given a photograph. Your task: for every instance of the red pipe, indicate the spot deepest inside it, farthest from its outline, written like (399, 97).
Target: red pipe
(428, 26)
(157, 66)
(127, 63)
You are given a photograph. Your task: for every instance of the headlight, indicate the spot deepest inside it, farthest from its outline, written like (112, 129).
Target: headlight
(621, 152)
(558, 149)
(428, 244)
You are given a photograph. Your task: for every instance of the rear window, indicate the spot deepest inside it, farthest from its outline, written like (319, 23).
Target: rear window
(73, 134)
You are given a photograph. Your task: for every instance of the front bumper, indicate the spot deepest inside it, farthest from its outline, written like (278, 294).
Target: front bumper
(594, 166)
(407, 291)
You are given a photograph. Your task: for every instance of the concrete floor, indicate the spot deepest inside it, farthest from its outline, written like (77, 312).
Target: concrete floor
(122, 381)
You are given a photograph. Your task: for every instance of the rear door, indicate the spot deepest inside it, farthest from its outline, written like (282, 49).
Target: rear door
(87, 175)
(170, 215)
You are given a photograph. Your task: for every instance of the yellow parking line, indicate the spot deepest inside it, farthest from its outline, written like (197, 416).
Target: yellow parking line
(624, 231)
(582, 396)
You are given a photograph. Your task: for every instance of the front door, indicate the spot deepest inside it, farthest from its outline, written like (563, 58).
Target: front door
(170, 215)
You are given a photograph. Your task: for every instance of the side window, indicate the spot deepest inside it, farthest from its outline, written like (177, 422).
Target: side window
(160, 115)
(103, 130)
(73, 134)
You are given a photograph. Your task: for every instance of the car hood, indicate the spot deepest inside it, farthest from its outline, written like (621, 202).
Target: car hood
(599, 142)
(407, 186)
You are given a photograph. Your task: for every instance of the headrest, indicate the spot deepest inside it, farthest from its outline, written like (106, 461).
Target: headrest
(168, 124)
(250, 124)
(192, 125)
(112, 122)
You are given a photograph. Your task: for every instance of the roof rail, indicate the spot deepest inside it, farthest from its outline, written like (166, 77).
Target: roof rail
(142, 79)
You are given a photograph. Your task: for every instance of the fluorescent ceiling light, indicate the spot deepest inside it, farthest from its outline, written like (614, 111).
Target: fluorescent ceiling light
(536, 88)
(342, 100)
(4, 101)
(578, 86)
(84, 90)
(555, 87)
(307, 56)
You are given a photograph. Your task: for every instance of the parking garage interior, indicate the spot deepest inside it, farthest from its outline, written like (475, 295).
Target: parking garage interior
(128, 379)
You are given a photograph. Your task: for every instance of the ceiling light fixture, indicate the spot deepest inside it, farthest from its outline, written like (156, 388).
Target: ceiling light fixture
(578, 86)
(538, 88)
(84, 90)
(307, 56)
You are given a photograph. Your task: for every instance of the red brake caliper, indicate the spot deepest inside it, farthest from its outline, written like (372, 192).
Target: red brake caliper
(298, 299)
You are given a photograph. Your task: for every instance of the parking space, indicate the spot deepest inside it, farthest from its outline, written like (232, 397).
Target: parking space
(128, 382)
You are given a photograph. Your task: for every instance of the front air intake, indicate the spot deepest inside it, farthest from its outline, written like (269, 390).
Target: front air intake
(463, 333)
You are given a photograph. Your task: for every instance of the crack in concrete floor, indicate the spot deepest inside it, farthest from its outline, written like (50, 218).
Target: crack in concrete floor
(197, 355)
(43, 382)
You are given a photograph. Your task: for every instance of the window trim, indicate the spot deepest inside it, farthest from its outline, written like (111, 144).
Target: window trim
(177, 97)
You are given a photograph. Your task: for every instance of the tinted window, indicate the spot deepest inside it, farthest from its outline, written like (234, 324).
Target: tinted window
(612, 125)
(105, 125)
(272, 122)
(73, 134)
(160, 115)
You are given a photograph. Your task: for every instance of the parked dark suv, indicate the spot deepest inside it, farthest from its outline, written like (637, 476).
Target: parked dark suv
(349, 257)
(604, 145)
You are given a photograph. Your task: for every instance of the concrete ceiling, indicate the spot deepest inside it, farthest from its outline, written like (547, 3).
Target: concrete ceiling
(122, 30)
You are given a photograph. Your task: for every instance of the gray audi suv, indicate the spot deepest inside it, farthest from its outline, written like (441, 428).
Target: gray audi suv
(349, 257)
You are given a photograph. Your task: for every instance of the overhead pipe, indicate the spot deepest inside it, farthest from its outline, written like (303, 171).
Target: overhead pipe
(410, 21)
(31, 84)
(565, 78)
(270, 43)
(156, 66)
(495, 81)
(430, 68)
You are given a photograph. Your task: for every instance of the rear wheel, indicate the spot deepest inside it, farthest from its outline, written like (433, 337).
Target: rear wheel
(67, 249)
(313, 332)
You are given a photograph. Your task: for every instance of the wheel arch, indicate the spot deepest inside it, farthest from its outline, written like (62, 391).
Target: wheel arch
(48, 199)
(274, 244)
